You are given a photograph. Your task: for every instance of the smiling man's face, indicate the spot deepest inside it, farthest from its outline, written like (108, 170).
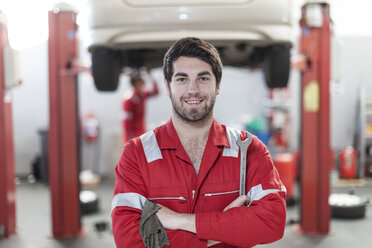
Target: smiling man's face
(193, 89)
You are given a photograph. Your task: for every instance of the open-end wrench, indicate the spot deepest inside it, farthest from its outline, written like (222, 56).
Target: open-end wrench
(243, 145)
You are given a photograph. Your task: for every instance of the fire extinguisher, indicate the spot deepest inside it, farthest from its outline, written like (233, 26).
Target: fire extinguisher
(90, 127)
(348, 162)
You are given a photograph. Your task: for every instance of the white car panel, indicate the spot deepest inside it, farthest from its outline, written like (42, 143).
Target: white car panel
(155, 3)
(115, 21)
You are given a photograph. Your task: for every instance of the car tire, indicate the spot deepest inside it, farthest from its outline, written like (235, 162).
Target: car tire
(88, 202)
(277, 66)
(106, 69)
(347, 206)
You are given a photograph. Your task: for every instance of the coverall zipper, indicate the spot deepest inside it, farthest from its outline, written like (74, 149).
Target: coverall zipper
(221, 193)
(181, 198)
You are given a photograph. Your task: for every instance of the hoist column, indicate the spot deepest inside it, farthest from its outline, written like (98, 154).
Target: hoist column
(7, 171)
(315, 119)
(63, 126)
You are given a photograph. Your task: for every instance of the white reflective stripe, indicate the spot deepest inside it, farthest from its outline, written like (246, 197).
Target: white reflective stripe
(232, 135)
(256, 192)
(284, 189)
(150, 146)
(126, 115)
(132, 200)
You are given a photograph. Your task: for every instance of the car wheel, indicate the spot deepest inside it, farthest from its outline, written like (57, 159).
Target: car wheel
(347, 206)
(88, 202)
(106, 69)
(277, 66)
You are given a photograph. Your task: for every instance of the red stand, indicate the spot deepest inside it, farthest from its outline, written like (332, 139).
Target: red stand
(315, 126)
(7, 174)
(285, 164)
(64, 126)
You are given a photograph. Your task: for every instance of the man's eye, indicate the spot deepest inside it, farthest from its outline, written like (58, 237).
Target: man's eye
(204, 79)
(180, 79)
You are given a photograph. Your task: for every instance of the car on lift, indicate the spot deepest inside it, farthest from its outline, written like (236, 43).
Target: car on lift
(136, 33)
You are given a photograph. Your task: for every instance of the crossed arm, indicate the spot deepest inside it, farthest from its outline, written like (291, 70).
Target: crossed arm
(180, 221)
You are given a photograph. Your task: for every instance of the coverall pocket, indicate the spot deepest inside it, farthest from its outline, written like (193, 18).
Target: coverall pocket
(216, 197)
(173, 198)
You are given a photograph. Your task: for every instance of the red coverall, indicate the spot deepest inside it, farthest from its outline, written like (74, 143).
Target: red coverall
(134, 113)
(156, 167)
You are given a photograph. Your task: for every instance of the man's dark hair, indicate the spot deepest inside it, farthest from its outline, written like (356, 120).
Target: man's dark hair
(192, 47)
(134, 77)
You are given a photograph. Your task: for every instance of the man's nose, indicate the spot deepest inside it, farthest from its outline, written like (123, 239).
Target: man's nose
(193, 86)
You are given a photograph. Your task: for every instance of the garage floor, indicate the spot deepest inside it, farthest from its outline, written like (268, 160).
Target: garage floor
(33, 221)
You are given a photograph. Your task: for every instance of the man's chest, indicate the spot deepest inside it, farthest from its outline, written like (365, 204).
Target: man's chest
(195, 152)
(172, 182)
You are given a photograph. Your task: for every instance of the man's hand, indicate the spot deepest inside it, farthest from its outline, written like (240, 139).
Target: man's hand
(173, 220)
(238, 202)
(212, 242)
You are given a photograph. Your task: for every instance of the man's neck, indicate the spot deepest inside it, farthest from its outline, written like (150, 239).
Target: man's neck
(193, 137)
(192, 130)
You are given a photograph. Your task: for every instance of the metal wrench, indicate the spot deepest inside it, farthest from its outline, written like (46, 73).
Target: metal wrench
(243, 145)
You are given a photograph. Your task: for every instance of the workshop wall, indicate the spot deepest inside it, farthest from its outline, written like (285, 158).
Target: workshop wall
(356, 74)
(243, 93)
(30, 106)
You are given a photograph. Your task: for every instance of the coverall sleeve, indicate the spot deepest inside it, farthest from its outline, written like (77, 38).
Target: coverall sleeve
(129, 198)
(154, 91)
(263, 221)
(128, 119)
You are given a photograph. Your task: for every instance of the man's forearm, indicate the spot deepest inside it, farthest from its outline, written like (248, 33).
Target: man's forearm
(186, 222)
(181, 221)
(176, 221)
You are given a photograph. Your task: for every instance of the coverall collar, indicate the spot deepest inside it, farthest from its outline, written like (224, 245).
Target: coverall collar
(170, 140)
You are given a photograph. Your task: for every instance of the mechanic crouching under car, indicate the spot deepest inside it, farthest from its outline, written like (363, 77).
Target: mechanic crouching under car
(194, 182)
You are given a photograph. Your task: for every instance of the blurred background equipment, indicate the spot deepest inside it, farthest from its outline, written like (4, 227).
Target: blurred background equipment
(348, 162)
(347, 206)
(89, 202)
(90, 143)
(258, 126)
(9, 77)
(285, 164)
(41, 173)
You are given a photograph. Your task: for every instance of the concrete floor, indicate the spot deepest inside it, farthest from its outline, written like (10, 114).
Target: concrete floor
(34, 227)
(344, 233)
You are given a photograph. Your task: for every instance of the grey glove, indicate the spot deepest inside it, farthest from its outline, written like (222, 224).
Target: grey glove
(152, 231)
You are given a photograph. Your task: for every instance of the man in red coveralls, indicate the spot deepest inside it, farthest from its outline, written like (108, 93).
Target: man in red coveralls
(190, 166)
(134, 106)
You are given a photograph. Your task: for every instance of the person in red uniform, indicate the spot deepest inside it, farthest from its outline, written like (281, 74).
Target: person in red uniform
(134, 108)
(190, 167)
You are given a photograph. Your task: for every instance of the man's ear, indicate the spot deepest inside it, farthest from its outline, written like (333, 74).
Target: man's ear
(166, 86)
(218, 88)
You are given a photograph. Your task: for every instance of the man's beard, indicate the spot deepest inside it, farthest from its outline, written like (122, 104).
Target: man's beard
(193, 115)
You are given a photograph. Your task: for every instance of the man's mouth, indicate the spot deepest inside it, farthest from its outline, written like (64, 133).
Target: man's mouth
(193, 101)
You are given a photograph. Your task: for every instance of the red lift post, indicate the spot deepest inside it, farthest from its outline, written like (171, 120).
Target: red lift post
(7, 173)
(63, 126)
(315, 120)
